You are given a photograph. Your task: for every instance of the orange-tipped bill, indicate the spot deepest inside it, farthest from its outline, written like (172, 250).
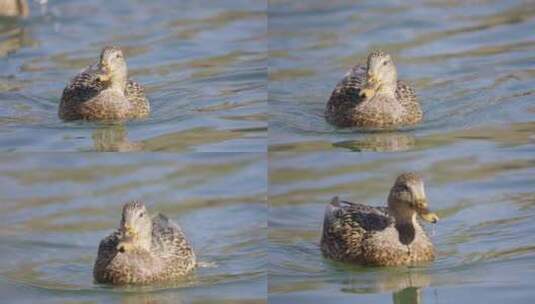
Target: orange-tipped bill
(128, 232)
(370, 87)
(103, 74)
(126, 240)
(427, 215)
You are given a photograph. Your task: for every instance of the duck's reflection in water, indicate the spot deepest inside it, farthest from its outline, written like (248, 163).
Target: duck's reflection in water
(409, 295)
(380, 142)
(114, 138)
(405, 286)
(13, 36)
(151, 298)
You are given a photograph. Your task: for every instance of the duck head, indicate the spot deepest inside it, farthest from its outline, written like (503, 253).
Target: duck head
(407, 198)
(381, 76)
(135, 227)
(112, 67)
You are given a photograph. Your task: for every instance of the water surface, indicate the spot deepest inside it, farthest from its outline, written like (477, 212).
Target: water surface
(203, 65)
(481, 189)
(57, 207)
(472, 64)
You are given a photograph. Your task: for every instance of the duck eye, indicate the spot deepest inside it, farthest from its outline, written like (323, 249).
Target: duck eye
(141, 214)
(385, 62)
(118, 56)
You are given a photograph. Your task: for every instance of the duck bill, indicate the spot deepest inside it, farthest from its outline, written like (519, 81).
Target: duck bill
(125, 246)
(370, 87)
(428, 216)
(103, 74)
(128, 232)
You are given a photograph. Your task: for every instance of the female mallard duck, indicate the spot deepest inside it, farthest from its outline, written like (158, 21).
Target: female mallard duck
(380, 236)
(143, 250)
(14, 8)
(371, 96)
(103, 92)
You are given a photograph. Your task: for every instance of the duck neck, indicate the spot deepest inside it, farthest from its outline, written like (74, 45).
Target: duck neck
(145, 239)
(405, 222)
(118, 83)
(387, 89)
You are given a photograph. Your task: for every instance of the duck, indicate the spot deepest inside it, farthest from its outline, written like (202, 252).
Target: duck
(14, 8)
(381, 236)
(103, 92)
(143, 250)
(371, 96)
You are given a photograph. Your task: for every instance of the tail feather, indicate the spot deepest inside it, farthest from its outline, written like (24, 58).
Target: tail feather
(332, 208)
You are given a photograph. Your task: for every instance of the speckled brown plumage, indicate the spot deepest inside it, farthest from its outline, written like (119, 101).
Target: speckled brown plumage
(380, 236)
(394, 103)
(103, 92)
(123, 259)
